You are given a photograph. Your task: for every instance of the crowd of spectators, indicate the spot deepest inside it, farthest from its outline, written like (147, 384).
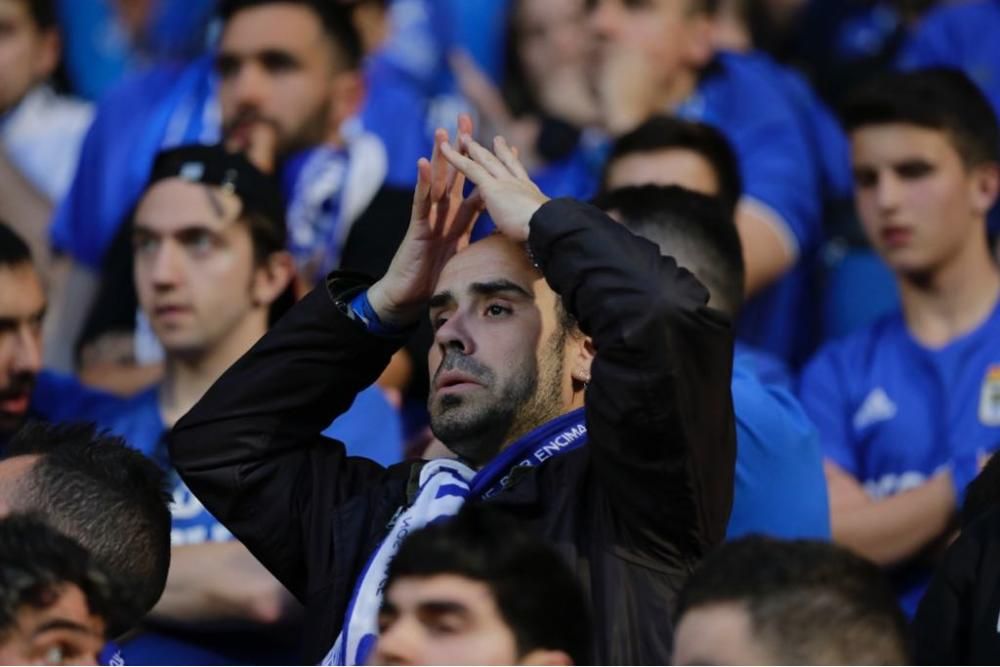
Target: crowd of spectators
(499, 331)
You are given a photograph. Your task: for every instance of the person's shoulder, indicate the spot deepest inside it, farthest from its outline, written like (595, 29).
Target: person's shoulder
(887, 333)
(61, 397)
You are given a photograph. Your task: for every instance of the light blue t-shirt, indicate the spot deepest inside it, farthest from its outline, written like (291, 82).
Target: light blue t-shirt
(780, 487)
(750, 104)
(892, 412)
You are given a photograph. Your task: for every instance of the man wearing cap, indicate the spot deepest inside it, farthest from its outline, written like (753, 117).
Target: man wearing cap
(211, 271)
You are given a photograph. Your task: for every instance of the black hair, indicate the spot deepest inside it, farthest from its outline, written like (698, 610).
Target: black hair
(808, 602)
(537, 595)
(666, 132)
(95, 488)
(43, 13)
(35, 561)
(13, 249)
(695, 229)
(335, 16)
(937, 98)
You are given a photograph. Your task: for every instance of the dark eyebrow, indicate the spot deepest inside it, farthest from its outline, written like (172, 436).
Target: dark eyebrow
(62, 624)
(442, 607)
(498, 286)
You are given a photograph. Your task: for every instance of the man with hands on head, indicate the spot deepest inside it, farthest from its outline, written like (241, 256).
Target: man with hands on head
(582, 380)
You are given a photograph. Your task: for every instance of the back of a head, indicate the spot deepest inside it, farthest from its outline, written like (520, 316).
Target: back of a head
(35, 561)
(808, 602)
(695, 229)
(661, 133)
(13, 250)
(536, 593)
(106, 495)
(334, 15)
(937, 98)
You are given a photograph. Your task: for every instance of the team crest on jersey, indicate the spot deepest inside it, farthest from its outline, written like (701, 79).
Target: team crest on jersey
(989, 397)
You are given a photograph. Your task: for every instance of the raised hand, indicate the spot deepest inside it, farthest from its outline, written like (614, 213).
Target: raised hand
(502, 183)
(440, 224)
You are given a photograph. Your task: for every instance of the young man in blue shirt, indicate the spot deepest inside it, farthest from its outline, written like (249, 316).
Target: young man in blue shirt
(657, 56)
(909, 408)
(211, 271)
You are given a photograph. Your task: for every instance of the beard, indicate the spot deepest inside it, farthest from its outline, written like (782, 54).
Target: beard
(477, 427)
(312, 131)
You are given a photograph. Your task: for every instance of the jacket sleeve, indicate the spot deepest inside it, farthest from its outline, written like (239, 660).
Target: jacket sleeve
(659, 406)
(251, 448)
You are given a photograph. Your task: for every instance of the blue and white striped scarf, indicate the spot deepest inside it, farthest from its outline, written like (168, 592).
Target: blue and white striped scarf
(445, 485)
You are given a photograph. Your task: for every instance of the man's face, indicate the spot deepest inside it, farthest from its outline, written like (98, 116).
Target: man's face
(62, 632)
(718, 634)
(276, 67)
(22, 306)
(27, 54)
(194, 268)
(670, 166)
(919, 204)
(442, 620)
(499, 359)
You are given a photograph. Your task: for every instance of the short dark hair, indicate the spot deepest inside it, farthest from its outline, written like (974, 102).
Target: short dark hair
(695, 229)
(661, 133)
(35, 561)
(113, 500)
(43, 13)
(335, 17)
(535, 591)
(937, 98)
(13, 249)
(809, 602)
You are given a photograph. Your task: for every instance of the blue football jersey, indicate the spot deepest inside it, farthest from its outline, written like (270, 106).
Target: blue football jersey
(892, 412)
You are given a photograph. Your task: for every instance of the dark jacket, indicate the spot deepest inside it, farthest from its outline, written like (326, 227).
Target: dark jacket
(632, 512)
(958, 622)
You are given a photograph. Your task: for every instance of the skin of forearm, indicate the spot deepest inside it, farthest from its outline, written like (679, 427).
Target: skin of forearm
(27, 210)
(220, 582)
(765, 254)
(899, 527)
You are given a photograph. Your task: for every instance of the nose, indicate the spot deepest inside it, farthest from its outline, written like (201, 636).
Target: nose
(28, 350)
(164, 269)
(454, 335)
(603, 18)
(397, 645)
(248, 87)
(887, 192)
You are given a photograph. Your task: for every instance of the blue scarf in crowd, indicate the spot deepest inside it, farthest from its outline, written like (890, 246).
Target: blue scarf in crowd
(445, 485)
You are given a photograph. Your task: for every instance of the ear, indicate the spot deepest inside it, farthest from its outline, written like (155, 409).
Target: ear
(49, 48)
(542, 656)
(272, 278)
(583, 359)
(699, 48)
(348, 89)
(985, 185)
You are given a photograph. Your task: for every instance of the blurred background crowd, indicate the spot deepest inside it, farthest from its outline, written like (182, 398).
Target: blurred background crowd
(848, 161)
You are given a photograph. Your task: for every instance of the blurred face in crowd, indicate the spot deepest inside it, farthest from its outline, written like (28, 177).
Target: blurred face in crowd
(444, 619)
(920, 204)
(718, 634)
(61, 630)
(279, 69)
(649, 55)
(28, 55)
(670, 166)
(501, 363)
(553, 46)
(195, 273)
(22, 306)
